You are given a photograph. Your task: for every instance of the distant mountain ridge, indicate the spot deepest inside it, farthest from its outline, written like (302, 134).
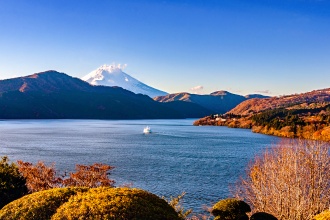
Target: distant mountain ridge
(216, 102)
(111, 75)
(48, 81)
(253, 106)
(54, 95)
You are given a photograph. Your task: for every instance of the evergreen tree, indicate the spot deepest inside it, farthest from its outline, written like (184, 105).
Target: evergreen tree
(12, 184)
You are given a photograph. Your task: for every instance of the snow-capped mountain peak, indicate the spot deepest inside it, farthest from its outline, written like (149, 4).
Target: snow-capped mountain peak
(113, 75)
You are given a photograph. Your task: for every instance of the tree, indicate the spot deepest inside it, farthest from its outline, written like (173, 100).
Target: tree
(41, 177)
(12, 183)
(290, 181)
(90, 176)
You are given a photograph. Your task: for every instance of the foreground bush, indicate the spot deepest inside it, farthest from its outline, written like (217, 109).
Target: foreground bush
(39, 205)
(262, 216)
(323, 215)
(116, 204)
(290, 181)
(12, 184)
(230, 209)
(83, 203)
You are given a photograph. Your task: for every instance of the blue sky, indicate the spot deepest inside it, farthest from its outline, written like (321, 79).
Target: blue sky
(272, 47)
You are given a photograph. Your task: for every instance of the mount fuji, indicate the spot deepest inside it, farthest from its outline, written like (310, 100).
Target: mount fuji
(112, 75)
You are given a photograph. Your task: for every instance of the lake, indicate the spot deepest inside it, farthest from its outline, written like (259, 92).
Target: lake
(202, 161)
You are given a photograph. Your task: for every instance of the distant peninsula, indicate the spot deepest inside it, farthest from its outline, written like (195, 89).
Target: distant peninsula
(304, 115)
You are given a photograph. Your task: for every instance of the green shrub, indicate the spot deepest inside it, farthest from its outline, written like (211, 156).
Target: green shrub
(323, 215)
(262, 216)
(39, 205)
(230, 209)
(12, 184)
(116, 204)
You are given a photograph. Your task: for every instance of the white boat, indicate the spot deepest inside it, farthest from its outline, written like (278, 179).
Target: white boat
(147, 130)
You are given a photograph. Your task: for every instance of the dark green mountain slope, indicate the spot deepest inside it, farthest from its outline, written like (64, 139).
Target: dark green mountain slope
(216, 102)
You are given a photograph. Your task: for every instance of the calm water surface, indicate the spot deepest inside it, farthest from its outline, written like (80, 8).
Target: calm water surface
(176, 157)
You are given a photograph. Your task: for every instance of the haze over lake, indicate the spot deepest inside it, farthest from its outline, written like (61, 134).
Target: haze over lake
(176, 157)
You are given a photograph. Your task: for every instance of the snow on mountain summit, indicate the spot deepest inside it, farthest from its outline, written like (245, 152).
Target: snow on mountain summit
(112, 75)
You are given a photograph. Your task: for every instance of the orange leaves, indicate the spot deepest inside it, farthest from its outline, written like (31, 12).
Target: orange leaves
(41, 177)
(290, 181)
(90, 176)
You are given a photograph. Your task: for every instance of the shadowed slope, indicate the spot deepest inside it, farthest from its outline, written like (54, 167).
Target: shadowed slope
(52, 94)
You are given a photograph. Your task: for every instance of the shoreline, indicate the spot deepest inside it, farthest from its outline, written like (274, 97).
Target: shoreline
(311, 132)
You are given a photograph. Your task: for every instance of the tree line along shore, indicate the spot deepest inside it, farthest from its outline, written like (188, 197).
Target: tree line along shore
(291, 122)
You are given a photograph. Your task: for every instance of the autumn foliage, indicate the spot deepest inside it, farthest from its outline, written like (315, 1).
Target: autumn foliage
(92, 176)
(307, 121)
(290, 181)
(41, 177)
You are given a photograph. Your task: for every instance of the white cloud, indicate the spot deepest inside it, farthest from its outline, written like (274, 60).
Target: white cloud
(116, 66)
(122, 66)
(197, 89)
(264, 91)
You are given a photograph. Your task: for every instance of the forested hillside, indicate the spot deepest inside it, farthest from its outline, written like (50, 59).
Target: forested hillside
(310, 121)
